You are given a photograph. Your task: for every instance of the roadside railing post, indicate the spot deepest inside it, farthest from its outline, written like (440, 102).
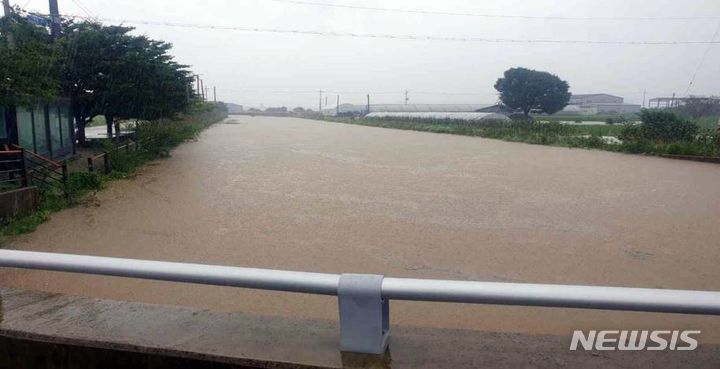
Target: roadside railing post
(106, 162)
(64, 169)
(23, 167)
(364, 314)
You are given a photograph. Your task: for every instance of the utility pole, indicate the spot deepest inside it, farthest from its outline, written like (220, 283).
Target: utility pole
(368, 104)
(406, 97)
(214, 94)
(202, 90)
(8, 12)
(672, 102)
(644, 94)
(320, 103)
(197, 87)
(337, 108)
(54, 19)
(207, 93)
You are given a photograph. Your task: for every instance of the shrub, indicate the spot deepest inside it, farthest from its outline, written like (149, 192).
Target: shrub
(79, 182)
(665, 126)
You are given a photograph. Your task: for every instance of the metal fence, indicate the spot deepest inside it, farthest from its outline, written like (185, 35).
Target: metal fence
(363, 299)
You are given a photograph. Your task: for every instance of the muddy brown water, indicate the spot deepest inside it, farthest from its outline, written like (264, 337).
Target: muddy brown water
(303, 195)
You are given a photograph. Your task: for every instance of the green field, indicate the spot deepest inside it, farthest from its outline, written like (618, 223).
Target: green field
(707, 143)
(617, 118)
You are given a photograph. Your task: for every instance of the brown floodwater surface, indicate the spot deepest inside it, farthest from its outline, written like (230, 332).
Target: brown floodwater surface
(303, 195)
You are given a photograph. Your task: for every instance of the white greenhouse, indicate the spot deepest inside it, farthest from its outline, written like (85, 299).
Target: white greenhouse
(469, 116)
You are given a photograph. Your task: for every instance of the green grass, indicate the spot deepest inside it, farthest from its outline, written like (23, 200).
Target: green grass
(588, 118)
(541, 133)
(707, 122)
(159, 137)
(97, 121)
(553, 134)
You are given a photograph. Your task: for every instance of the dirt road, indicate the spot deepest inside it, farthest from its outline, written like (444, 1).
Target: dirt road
(304, 195)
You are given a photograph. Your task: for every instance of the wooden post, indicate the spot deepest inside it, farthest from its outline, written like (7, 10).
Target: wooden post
(90, 165)
(65, 179)
(23, 168)
(106, 162)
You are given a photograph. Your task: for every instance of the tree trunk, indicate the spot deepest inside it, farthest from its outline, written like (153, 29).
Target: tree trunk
(117, 128)
(79, 131)
(11, 125)
(109, 120)
(80, 136)
(80, 124)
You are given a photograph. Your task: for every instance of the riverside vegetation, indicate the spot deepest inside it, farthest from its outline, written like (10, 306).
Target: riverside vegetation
(660, 132)
(158, 138)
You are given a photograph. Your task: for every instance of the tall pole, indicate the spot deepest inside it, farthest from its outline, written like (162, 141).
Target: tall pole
(197, 84)
(368, 104)
(54, 19)
(644, 94)
(202, 90)
(337, 107)
(214, 94)
(8, 12)
(406, 97)
(320, 103)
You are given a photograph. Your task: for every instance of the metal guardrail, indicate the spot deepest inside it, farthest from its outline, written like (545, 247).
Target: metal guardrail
(43, 172)
(364, 299)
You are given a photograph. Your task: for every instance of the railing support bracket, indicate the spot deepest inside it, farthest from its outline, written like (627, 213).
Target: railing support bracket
(364, 314)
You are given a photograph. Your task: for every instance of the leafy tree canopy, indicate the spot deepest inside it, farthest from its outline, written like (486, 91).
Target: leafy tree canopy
(28, 66)
(529, 90)
(106, 70)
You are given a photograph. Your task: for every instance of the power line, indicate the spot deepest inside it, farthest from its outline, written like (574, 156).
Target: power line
(486, 15)
(82, 7)
(395, 36)
(702, 60)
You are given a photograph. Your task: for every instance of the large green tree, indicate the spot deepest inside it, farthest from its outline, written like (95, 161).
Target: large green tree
(28, 73)
(108, 71)
(530, 90)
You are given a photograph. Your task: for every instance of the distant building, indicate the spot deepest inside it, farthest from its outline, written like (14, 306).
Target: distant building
(235, 108)
(617, 108)
(587, 99)
(592, 104)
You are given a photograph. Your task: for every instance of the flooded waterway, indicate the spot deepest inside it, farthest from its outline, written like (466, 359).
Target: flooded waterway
(296, 194)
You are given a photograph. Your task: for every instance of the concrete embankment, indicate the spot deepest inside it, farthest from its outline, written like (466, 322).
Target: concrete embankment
(43, 330)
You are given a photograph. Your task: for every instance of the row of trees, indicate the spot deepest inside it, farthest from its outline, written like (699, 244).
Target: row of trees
(103, 70)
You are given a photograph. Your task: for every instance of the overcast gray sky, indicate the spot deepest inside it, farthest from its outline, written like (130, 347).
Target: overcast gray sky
(271, 69)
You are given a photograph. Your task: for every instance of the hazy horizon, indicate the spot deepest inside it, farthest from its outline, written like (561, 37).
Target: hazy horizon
(273, 69)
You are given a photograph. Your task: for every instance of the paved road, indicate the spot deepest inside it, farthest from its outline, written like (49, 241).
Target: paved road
(304, 195)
